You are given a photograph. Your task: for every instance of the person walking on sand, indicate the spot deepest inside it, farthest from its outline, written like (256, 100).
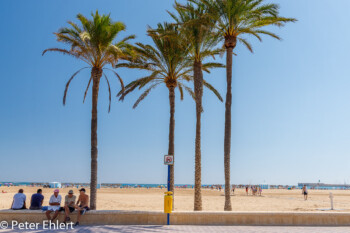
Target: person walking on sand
(246, 190)
(55, 203)
(19, 201)
(82, 205)
(69, 205)
(305, 192)
(260, 190)
(36, 201)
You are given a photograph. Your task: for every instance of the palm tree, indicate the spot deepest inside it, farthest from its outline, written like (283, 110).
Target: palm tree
(169, 64)
(198, 29)
(92, 42)
(234, 19)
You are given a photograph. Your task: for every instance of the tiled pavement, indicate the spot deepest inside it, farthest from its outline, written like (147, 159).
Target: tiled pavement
(221, 229)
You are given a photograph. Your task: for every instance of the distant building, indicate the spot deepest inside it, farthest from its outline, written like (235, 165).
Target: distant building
(55, 185)
(264, 186)
(324, 186)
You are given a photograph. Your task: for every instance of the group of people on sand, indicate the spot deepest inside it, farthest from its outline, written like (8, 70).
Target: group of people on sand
(254, 190)
(70, 203)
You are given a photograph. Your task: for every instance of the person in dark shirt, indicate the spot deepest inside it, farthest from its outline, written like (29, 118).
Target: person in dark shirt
(37, 200)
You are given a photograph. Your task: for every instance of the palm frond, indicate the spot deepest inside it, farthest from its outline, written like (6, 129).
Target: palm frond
(134, 84)
(210, 87)
(64, 51)
(144, 94)
(190, 92)
(109, 91)
(269, 34)
(67, 84)
(86, 90)
(119, 78)
(247, 44)
(210, 65)
(181, 91)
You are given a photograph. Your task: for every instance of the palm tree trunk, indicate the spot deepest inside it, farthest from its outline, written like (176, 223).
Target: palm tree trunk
(96, 74)
(171, 134)
(198, 90)
(230, 43)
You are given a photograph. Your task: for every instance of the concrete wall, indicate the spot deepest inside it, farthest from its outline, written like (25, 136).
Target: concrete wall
(190, 218)
(262, 218)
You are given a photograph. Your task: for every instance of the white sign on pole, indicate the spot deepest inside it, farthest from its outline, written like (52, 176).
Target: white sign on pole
(168, 160)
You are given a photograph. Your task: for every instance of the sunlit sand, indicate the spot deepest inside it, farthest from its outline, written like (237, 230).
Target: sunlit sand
(213, 200)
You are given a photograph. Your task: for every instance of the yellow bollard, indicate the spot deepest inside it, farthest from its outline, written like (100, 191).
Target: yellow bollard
(168, 202)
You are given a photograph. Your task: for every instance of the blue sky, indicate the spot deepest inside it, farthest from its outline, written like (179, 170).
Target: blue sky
(290, 103)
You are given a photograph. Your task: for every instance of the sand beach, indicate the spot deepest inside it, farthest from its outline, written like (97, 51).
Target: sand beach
(213, 200)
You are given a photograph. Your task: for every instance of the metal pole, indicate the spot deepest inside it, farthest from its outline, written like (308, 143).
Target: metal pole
(168, 215)
(168, 178)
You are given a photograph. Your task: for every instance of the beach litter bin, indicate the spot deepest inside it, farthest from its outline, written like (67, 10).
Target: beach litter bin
(168, 202)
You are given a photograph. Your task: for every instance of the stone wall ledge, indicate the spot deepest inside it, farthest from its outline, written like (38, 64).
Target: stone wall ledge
(126, 217)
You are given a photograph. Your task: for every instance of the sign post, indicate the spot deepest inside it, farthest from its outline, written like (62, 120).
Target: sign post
(168, 160)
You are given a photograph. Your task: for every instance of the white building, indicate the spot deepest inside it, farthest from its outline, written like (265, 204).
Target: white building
(55, 185)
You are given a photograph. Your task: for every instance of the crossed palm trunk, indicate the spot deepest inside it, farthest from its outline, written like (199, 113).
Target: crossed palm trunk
(198, 88)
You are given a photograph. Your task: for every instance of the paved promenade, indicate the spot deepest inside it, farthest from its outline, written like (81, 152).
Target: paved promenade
(180, 229)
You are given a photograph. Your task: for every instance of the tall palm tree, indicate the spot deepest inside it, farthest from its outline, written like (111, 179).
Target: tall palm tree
(169, 64)
(198, 29)
(234, 19)
(92, 43)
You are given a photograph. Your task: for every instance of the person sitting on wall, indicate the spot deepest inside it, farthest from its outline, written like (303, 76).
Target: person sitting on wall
(82, 205)
(55, 203)
(36, 201)
(19, 201)
(69, 205)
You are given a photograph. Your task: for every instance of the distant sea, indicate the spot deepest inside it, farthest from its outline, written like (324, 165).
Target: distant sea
(131, 185)
(103, 184)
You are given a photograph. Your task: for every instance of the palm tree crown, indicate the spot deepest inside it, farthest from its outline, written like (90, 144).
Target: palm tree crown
(235, 18)
(198, 29)
(168, 62)
(92, 42)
